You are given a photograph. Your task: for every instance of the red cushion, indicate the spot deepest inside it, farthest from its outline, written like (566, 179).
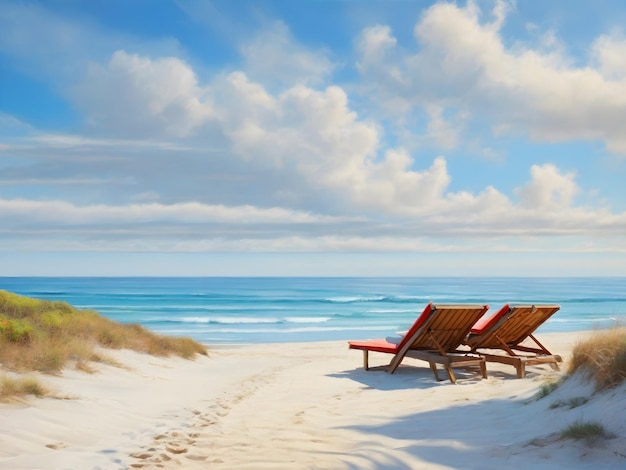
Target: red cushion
(485, 323)
(379, 345)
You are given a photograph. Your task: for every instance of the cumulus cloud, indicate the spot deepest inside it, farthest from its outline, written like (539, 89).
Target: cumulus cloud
(609, 54)
(463, 64)
(315, 137)
(232, 161)
(137, 96)
(373, 46)
(273, 56)
(548, 189)
(321, 156)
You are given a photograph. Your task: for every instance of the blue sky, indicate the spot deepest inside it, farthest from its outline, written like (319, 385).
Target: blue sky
(198, 137)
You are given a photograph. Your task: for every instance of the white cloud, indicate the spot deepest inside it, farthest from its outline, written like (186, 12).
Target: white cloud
(137, 96)
(238, 163)
(62, 213)
(442, 219)
(445, 133)
(380, 61)
(315, 137)
(464, 64)
(549, 189)
(609, 55)
(319, 155)
(374, 44)
(273, 56)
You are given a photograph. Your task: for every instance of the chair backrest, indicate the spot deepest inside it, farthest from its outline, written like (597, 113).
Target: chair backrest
(426, 313)
(486, 323)
(513, 327)
(443, 327)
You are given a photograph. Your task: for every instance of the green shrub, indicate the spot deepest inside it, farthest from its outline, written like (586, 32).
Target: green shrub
(16, 330)
(53, 319)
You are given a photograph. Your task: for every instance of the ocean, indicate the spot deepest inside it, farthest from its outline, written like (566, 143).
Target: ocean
(218, 310)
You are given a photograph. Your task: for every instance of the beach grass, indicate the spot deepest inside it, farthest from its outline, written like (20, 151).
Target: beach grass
(590, 431)
(547, 388)
(42, 335)
(570, 403)
(15, 388)
(603, 357)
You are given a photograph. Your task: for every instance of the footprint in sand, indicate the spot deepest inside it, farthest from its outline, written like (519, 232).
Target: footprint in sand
(57, 446)
(175, 449)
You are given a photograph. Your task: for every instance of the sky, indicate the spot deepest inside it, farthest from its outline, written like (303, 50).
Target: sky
(312, 138)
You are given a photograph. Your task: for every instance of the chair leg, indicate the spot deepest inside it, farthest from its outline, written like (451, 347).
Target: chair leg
(433, 367)
(521, 370)
(554, 366)
(483, 369)
(451, 374)
(365, 360)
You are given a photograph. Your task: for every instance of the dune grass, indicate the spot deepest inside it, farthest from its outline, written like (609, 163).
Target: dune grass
(547, 388)
(570, 403)
(590, 431)
(41, 335)
(603, 356)
(12, 389)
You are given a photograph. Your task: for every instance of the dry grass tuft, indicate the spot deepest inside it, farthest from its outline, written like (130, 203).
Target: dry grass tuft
(43, 336)
(603, 356)
(84, 366)
(14, 389)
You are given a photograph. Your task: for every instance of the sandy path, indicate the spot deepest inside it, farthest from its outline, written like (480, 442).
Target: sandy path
(307, 406)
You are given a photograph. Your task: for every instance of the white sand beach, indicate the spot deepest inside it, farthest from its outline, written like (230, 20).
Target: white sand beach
(307, 406)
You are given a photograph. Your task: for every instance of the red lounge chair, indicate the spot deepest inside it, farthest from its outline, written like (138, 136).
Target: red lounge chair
(507, 329)
(434, 337)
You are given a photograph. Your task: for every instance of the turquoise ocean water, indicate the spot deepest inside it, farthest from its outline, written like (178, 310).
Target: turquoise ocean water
(250, 310)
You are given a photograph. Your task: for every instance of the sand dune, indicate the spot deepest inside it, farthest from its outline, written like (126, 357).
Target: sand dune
(306, 406)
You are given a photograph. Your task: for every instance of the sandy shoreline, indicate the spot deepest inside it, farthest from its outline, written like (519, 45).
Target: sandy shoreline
(305, 405)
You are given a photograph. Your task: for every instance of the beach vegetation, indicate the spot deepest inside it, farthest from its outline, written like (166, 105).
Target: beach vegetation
(43, 335)
(15, 330)
(570, 403)
(16, 388)
(602, 357)
(547, 388)
(84, 366)
(590, 431)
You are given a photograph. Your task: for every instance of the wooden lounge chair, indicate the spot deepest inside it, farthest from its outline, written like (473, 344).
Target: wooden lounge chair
(507, 329)
(434, 337)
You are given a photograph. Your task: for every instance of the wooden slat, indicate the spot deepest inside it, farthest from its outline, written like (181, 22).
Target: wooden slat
(513, 328)
(443, 332)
